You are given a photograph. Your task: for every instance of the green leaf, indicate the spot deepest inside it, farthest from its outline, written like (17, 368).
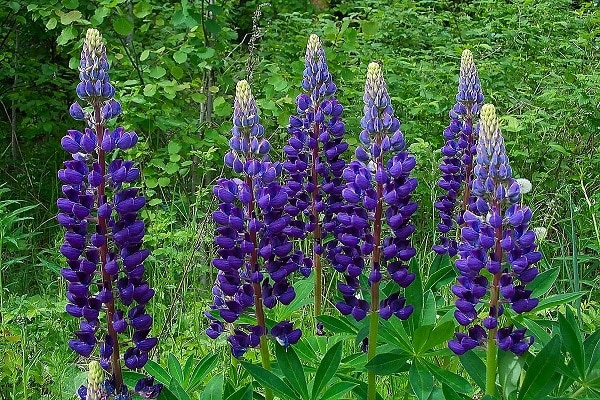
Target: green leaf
(212, 26)
(244, 393)
(290, 365)
(509, 372)
(338, 390)
(538, 380)
(173, 147)
(175, 368)
(145, 54)
(208, 363)
(269, 380)
(474, 367)
(369, 28)
(69, 18)
(337, 324)
(414, 294)
(180, 57)
(389, 363)
(456, 382)
(592, 350)
(142, 9)
(158, 372)
(440, 334)
(157, 72)
(164, 181)
(207, 53)
(420, 380)
(66, 35)
(214, 389)
(122, 25)
(420, 337)
(51, 24)
(149, 90)
(198, 97)
(327, 368)
(178, 390)
(176, 71)
(543, 282)
(557, 300)
(99, 15)
(572, 341)
(440, 278)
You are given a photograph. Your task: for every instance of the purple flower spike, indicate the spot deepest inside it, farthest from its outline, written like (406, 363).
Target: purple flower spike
(377, 194)
(458, 153)
(253, 235)
(103, 242)
(495, 238)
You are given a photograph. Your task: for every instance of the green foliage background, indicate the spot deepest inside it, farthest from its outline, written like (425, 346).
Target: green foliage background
(175, 65)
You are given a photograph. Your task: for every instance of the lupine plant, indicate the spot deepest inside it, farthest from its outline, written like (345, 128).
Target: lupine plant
(375, 221)
(497, 255)
(314, 158)
(458, 152)
(107, 291)
(254, 228)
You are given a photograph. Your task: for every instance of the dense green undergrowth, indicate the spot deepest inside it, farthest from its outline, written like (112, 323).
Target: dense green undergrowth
(175, 66)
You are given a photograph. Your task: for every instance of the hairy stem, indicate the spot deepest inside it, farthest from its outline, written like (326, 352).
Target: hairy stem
(106, 278)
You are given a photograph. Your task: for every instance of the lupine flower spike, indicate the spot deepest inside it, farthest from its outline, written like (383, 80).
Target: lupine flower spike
(103, 243)
(314, 160)
(375, 224)
(255, 254)
(458, 152)
(497, 252)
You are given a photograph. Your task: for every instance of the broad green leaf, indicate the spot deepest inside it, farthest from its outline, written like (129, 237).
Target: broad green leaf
(557, 300)
(450, 394)
(327, 368)
(475, 367)
(154, 202)
(70, 4)
(157, 72)
(176, 71)
(389, 363)
(290, 365)
(421, 380)
(68, 18)
(369, 28)
(214, 389)
(456, 382)
(337, 324)
(142, 9)
(420, 337)
(145, 54)
(338, 390)
(51, 24)
(178, 390)
(149, 90)
(572, 341)
(538, 380)
(269, 380)
(164, 181)
(175, 368)
(208, 52)
(99, 15)
(543, 282)
(122, 25)
(171, 168)
(66, 35)
(174, 147)
(180, 57)
(158, 372)
(198, 97)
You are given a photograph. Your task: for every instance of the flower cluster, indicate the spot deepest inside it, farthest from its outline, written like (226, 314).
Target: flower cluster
(255, 253)
(496, 244)
(103, 241)
(377, 193)
(314, 156)
(458, 151)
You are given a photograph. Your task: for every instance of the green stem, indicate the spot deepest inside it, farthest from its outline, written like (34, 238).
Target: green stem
(266, 362)
(373, 325)
(579, 391)
(491, 364)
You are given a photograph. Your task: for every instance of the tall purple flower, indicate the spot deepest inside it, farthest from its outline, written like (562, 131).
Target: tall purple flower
(103, 243)
(496, 241)
(255, 255)
(458, 151)
(314, 161)
(375, 224)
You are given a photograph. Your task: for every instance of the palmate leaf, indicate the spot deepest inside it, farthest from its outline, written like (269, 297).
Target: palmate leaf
(389, 363)
(421, 380)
